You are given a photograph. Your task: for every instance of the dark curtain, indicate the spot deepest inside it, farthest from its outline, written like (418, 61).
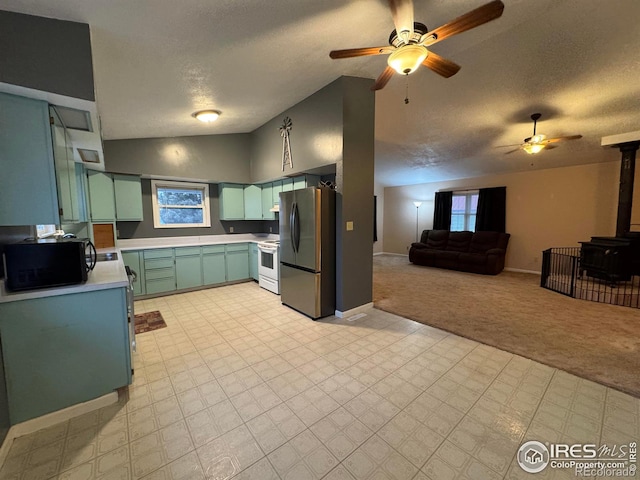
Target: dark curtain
(491, 210)
(442, 211)
(375, 218)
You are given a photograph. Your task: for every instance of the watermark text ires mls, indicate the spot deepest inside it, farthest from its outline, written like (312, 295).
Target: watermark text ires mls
(584, 459)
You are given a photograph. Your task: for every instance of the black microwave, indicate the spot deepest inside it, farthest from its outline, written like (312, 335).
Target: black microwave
(43, 263)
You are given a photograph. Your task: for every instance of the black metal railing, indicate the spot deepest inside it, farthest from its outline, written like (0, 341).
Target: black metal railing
(562, 273)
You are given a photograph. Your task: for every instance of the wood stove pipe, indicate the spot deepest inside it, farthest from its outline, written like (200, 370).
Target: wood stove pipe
(625, 195)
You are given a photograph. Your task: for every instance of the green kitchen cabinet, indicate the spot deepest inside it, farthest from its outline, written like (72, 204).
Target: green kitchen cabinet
(252, 202)
(28, 193)
(214, 267)
(304, 181)
(277, 188)
(287, 184)
(128, 197)
(64, 166)
(81, 178)
(133, 259)
(64, 350)
(253, 261)
(267, 202)
(102, 205)
(188, 267)
(159, 271)
(231, 198)
(237, 257)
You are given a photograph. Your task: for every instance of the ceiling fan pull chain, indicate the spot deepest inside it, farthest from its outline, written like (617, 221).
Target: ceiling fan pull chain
(406, 95)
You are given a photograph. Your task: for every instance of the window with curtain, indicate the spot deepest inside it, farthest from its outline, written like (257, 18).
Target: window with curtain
(464, 206)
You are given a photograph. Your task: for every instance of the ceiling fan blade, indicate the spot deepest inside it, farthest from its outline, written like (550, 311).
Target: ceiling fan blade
(512, 151)
(360, 52)
(472, 19)
(402, 13)
(383, 79)
(512, 145)
(562, 139)
(550, 147)
(441, 65)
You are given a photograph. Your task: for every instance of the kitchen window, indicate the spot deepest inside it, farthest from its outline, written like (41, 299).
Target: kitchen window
(180, 204)
(464, 206)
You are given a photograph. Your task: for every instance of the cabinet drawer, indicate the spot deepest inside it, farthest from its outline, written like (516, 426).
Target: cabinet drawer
(157, 263)
(160, 285)
(238, 247)
(158, 253)
(184, 251)
(212, 249)
(157, 273)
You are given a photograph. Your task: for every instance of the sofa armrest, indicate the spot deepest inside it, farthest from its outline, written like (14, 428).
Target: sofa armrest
(419, 246)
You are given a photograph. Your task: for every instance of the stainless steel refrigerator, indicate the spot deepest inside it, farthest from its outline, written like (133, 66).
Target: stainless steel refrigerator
(307, 251)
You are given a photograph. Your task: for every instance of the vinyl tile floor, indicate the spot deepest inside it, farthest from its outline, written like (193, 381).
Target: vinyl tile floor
(240, 386)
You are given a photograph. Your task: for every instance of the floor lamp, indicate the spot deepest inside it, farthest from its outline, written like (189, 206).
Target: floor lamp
(417, 204)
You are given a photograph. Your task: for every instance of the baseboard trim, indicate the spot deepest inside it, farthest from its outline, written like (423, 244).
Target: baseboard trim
(50, 419)
(354, 311)
(520, 270)
(394, 254)
(378, 253)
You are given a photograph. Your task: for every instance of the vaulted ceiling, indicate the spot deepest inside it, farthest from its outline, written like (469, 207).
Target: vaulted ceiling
(574, 61)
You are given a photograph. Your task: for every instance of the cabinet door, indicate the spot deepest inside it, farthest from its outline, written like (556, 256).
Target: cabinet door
(27, 183)
(252, 202)
(214, 269)
(159, 271)
(277, 188)
(101, 198)
(287, 184)
(128, 196)
(82, 197)
(237, 263)
(312, 180)
(231, 201)
(188, 271)
(299, 182)
(267, 202)
(65, 170)
(132, 260)
(253, 261)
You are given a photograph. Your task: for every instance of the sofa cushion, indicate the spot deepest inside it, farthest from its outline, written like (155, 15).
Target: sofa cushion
(473, 258)
(483, 241)
(447, 259)
(437, 239)
(459, 241)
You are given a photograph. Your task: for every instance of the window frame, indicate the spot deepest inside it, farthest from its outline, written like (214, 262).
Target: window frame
(206, 211)
(468, 194)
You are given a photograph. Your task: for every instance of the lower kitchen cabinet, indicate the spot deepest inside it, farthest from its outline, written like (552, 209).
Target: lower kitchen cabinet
(63, 350)
(133, 261)
(253, 261)
(237, 261)
(214, 267)
(188, 267)
(159, 271)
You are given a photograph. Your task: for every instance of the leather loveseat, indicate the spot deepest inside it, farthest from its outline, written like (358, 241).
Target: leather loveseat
(475, 252)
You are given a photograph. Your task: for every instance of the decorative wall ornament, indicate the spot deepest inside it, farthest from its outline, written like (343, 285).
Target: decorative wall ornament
(285, 130)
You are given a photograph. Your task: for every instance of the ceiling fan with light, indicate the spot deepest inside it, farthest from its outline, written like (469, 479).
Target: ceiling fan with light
(538, 142)
(408, 43)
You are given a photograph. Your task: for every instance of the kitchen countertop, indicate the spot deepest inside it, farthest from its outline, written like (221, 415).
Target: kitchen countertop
(168, 242)
(105, 275)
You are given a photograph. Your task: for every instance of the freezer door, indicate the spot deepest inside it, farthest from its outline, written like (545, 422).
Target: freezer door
(301, 290)
(287, 252)
(307, 228)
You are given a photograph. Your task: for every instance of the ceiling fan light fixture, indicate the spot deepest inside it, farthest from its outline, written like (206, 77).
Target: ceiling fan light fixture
(408, 58)
(207, 116)
(532, 148)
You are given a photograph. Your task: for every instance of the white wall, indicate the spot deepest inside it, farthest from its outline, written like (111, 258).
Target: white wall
(545, 208)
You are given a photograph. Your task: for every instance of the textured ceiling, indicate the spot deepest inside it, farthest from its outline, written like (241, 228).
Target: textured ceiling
(575, 61)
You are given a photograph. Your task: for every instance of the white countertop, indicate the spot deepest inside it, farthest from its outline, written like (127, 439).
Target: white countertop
(168, 242)
(105, 275)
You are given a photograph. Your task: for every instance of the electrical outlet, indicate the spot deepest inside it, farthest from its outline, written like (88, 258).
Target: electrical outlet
(230, 229)
(270, 229)
(118, 233)
(349, 226)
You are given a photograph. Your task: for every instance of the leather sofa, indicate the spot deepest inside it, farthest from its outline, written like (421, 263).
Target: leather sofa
(475, 252)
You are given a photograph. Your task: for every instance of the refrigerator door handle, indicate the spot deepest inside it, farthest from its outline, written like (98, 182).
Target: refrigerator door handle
(296, 229)
(292, 217)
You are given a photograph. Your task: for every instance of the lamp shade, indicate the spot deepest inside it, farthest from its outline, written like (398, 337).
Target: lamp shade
(417, 204)
(207, 116)
(407, 59)
(532, 148)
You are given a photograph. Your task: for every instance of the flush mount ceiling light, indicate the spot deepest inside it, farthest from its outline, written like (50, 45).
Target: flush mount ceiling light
(207, 116)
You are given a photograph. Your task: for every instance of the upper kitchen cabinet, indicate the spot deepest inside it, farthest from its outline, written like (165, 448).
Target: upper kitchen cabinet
(128, 194)
(101, 197)
(267, 202)
(252, 202)
(231, 201)
(28, 193)
(69, 199)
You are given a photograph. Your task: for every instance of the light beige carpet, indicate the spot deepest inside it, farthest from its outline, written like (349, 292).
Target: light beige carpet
(512, 312)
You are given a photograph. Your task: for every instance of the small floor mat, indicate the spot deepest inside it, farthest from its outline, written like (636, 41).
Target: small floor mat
(147, 322)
